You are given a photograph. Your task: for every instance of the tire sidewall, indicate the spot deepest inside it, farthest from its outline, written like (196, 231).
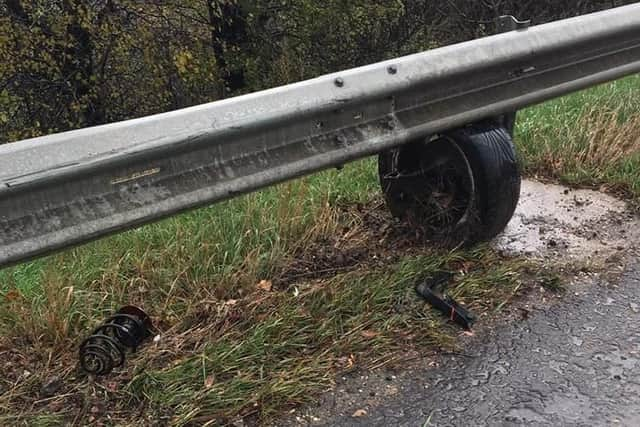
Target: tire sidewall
(492, 155)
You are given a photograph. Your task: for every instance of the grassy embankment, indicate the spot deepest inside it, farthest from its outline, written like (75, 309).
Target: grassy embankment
(590, 139)
(336, 293)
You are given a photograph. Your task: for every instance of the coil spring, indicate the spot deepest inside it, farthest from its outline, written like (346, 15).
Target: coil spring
(105, 349)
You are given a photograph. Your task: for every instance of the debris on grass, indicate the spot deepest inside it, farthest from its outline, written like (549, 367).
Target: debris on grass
(431, 290)
(105, 348)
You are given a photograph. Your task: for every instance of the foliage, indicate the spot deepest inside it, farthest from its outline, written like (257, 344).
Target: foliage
(66, 64)
(72, 63)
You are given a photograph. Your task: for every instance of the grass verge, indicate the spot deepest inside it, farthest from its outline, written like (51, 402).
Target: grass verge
(589, 139)
(340, 297)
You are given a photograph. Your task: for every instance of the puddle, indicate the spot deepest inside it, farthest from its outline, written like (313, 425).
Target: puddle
(555, 221)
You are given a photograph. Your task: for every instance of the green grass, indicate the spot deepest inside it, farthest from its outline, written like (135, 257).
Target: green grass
(228, 349)
(271, 350)
(222, 250)
(196, 275)
(591, 138)
(301, 342)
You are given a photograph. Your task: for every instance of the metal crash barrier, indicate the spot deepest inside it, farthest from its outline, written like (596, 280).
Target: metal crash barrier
(65, 189)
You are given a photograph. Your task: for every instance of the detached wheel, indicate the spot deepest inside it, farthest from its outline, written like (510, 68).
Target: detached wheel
(460, 187)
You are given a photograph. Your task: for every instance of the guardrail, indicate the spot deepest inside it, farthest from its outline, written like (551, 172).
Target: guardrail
(65, 189)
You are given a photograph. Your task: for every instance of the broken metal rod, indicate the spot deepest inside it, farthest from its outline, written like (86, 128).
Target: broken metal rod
(431, 291)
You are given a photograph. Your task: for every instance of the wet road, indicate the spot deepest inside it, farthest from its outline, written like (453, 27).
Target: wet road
(572, 363)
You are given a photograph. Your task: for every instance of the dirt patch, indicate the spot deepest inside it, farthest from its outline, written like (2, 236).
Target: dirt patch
(561, 225)
(552, 223)
(369, 237)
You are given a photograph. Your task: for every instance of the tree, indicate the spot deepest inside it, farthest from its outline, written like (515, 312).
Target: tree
(66, 64)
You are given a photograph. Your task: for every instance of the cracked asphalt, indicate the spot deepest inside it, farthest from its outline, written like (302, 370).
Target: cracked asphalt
(575, 362)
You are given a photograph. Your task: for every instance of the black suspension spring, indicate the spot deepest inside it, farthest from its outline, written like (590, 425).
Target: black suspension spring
(105, 349)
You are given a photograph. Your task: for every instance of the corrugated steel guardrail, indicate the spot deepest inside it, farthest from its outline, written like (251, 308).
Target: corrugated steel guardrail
(65, 189)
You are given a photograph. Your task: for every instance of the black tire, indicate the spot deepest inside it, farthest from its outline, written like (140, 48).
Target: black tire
(481, 176)
(492, 155)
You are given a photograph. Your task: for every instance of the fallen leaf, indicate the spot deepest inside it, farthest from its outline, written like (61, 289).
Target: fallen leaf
(467, 266)
(369, 334)
(209, 381)
(56, 405)
(352, 361)
(359, 413)
(12, 295)
(265, 285)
